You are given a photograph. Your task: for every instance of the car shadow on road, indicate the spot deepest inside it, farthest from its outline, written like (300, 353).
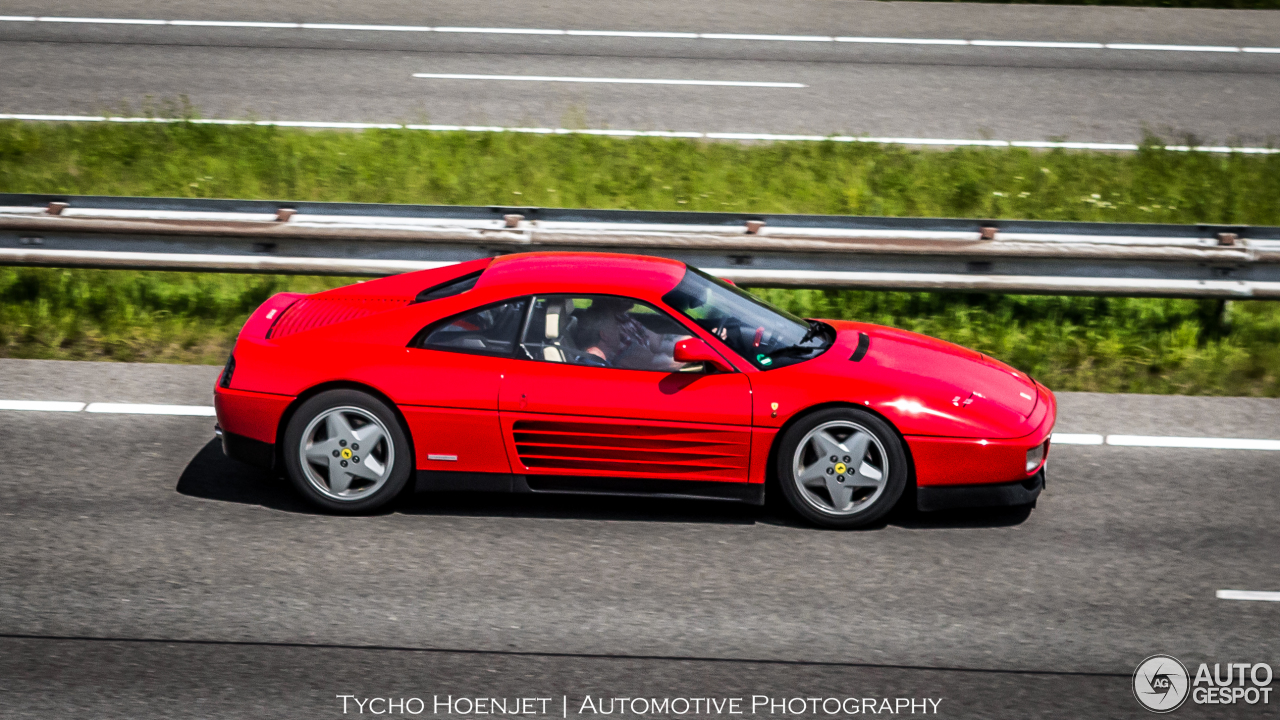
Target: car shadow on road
(213, 476)
(581, 507)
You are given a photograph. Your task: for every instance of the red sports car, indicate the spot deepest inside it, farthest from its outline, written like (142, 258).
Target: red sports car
(619, 375)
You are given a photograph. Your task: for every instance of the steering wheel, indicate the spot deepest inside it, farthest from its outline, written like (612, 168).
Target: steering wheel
(719, 332)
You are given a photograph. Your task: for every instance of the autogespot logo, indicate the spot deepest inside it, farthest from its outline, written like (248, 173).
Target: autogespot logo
(1160, 683)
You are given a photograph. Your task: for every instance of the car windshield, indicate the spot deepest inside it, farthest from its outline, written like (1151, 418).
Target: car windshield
(764, 335)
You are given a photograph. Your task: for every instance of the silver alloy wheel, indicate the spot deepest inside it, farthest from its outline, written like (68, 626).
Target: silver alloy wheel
(346, 453)
(840, 468)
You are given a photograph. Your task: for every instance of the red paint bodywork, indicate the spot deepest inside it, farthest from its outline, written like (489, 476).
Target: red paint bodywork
(966, 418)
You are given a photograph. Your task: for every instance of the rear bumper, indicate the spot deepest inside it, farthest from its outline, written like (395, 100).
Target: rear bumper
(247, 450)
(947, 497)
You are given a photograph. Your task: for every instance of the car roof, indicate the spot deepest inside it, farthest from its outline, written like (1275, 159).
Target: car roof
(605, 273)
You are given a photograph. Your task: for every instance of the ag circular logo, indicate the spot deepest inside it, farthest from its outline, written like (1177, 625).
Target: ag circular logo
(1160, 683)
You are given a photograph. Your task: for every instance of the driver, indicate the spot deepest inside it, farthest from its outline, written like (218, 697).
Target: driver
(607, 331)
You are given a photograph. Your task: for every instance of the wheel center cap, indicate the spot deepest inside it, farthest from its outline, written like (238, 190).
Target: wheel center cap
(346, 453)
(841, 468)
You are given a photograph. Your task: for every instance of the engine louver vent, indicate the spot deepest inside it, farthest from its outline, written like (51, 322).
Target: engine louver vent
(631, 450)
(313, 312)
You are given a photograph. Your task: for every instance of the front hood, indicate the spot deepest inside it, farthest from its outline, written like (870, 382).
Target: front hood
(932, 387)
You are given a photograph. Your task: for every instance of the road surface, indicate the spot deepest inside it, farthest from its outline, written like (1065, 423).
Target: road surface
(145, 575)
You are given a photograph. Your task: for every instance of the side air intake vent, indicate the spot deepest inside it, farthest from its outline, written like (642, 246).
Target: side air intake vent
(457, 286)
(313, 312)
(629, 450)
(864, 342)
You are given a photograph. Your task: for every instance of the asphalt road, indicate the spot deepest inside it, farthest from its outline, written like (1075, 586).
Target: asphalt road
(145, 575)
(881, 90)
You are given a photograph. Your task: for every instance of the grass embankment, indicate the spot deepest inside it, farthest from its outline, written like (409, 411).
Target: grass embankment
(1071, 343)
(1208, 4)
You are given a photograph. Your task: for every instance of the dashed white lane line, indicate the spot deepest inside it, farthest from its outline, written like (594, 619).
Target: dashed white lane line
(761, 137)
(1249, 595)
(618, 81)
(1075, 439)
(1203, 443)
(645, 34)
(137, 409)
(41, 406)
(1165, 441)
(116, 408)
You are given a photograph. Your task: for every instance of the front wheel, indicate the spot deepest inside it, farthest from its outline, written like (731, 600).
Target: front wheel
(842, 468)
(346, 452)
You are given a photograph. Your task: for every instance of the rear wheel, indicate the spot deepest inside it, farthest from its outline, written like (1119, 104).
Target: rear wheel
(842, 468)
(345, 451)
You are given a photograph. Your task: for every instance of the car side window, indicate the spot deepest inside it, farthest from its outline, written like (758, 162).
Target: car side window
(490, 330)
(604, 331)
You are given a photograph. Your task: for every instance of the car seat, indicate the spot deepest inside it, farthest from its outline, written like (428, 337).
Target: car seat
(558, 332)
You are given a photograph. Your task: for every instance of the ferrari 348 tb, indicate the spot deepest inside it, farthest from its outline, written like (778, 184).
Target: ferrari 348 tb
(615, 374)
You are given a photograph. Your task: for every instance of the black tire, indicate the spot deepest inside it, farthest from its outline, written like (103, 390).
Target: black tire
(365, 495)
(865, 503)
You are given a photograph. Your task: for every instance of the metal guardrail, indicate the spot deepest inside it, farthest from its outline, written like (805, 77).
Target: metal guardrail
(1010, 256)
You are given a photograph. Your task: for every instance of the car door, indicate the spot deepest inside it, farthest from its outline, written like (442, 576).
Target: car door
(450, 394)
(569, 410)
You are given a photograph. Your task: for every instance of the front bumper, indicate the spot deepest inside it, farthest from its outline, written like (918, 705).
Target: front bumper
(247, 450)
(948, 497)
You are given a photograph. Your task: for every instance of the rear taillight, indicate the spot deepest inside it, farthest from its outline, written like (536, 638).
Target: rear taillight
(227, 371)
(1035, 455)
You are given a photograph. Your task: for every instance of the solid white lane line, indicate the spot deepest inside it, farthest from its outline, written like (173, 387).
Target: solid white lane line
(134, 409)
(1249, 595)
(620, 81)
(1200, 443)
(101, 21)
(648, 34)
(1075, 439)
(633, 34)
(1173, 48)
(499, 31)
(766, 38)
(41, 405)
(1038, 44)
(901, 41)
(234, 23)
(375, 28)
(766, 137)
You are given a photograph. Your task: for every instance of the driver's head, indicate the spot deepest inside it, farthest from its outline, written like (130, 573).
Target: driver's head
(599, 327)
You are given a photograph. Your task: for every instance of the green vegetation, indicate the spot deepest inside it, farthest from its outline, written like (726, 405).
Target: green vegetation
(1105, 344)
(402, 166)
(1163, 346)
(132, 316)
(1188, 347)
(1221, 4)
